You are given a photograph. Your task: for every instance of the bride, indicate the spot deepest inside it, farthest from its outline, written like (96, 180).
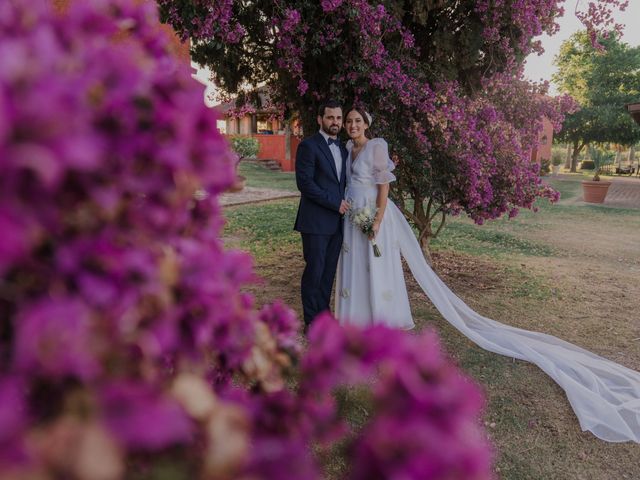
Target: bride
(370, 289)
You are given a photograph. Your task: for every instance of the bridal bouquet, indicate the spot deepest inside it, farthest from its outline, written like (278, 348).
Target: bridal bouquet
(363, 219)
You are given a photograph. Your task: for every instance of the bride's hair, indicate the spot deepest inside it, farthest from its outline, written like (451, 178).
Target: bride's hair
(365, 116)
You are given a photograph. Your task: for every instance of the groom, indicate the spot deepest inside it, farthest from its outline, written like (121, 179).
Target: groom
(321, 179)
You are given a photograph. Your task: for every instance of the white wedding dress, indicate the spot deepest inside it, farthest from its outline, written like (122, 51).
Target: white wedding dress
(371, 289)
(604, 395)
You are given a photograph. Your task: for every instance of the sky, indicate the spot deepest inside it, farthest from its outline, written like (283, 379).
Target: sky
(203, 75)
(541, 67)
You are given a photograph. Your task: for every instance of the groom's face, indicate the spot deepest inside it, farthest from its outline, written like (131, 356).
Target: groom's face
(331, 121)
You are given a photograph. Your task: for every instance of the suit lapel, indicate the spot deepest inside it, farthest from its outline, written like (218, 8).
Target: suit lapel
(327, 153)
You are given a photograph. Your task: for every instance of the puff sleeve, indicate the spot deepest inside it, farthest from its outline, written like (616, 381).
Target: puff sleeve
(382, 164)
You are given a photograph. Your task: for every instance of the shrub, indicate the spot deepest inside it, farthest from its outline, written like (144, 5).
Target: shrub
(557, 159)
(544, 166)
(587, 165)
(600, 158)
(245, 147)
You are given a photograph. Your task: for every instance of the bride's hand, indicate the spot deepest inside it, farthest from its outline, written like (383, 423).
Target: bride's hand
(375, 227)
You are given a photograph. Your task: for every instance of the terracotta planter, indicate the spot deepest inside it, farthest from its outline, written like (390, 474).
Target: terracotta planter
(238, 185)
(594, 192)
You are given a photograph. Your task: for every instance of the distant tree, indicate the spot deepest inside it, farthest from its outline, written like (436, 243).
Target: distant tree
(602, 82)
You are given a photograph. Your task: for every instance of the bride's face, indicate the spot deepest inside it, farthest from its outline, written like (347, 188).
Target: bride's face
(355, 124)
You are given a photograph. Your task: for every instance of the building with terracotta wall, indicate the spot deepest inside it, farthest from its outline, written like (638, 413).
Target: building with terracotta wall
(542, 151)
(278, 141)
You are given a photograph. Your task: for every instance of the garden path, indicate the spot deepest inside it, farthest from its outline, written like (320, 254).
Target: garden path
(624, 192)
(254, 195)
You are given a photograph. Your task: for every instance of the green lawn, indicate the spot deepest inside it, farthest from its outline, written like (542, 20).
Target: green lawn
(560, 270)
(260, 177)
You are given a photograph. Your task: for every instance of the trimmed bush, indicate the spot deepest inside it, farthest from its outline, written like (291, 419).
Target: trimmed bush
(587, 165)
(245, 147)
(557, 159)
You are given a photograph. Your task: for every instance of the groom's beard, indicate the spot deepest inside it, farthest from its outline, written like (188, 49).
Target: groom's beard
(331, 130)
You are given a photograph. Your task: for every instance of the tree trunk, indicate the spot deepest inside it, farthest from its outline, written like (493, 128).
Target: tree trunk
(567, 160)
(309, 125)
(428, 233)
(423, 220)
(424, 239)
(287, 141)
(574, 157)
(632, 152)
(619, 157)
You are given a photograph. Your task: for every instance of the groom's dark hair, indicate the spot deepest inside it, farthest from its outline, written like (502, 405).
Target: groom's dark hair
(328, 104)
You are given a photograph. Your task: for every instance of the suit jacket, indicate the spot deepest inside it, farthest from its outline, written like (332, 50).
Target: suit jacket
(321, 189)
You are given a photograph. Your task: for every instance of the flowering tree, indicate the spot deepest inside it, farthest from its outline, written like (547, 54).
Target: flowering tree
(442, 79)
(126, 346)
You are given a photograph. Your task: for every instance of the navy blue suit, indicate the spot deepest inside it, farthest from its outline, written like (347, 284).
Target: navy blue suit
(319, 220)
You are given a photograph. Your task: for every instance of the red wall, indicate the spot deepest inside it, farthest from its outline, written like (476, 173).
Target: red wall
(295, 141)
(545, 140)
(272, 147)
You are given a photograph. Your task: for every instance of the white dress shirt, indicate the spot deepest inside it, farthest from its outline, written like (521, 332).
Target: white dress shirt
(335, 151)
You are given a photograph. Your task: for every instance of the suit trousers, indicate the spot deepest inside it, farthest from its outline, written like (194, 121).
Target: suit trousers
(321, 253)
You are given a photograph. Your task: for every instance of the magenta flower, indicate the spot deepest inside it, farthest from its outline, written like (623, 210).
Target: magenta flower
(54, 337)
(418, 395)
(13, 414)
(143, 419)
(284, 325)
(18, 235)
(126, 322)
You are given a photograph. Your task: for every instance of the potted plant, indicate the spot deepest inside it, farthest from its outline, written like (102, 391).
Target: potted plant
(556, 162)
(595, 190)
(244, 147)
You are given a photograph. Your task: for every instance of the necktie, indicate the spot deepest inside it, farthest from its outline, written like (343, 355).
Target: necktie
(332, 140)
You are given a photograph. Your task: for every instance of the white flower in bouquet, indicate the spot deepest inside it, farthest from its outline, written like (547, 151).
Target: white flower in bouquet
(364, 218)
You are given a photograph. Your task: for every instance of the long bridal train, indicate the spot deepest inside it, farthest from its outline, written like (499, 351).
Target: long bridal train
(604, 395)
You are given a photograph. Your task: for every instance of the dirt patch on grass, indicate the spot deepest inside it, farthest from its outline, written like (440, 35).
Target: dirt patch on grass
(465, 272)
(536, 433)
(279, 279)
(597, 274)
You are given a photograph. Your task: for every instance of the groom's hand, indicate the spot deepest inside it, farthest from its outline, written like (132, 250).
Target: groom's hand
(344, 206)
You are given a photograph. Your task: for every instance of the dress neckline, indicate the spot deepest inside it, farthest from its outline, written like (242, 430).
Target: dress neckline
(353, 160)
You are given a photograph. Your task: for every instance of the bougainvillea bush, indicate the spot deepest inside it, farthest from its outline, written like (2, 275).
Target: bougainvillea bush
(442, 79)
(127, 349)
